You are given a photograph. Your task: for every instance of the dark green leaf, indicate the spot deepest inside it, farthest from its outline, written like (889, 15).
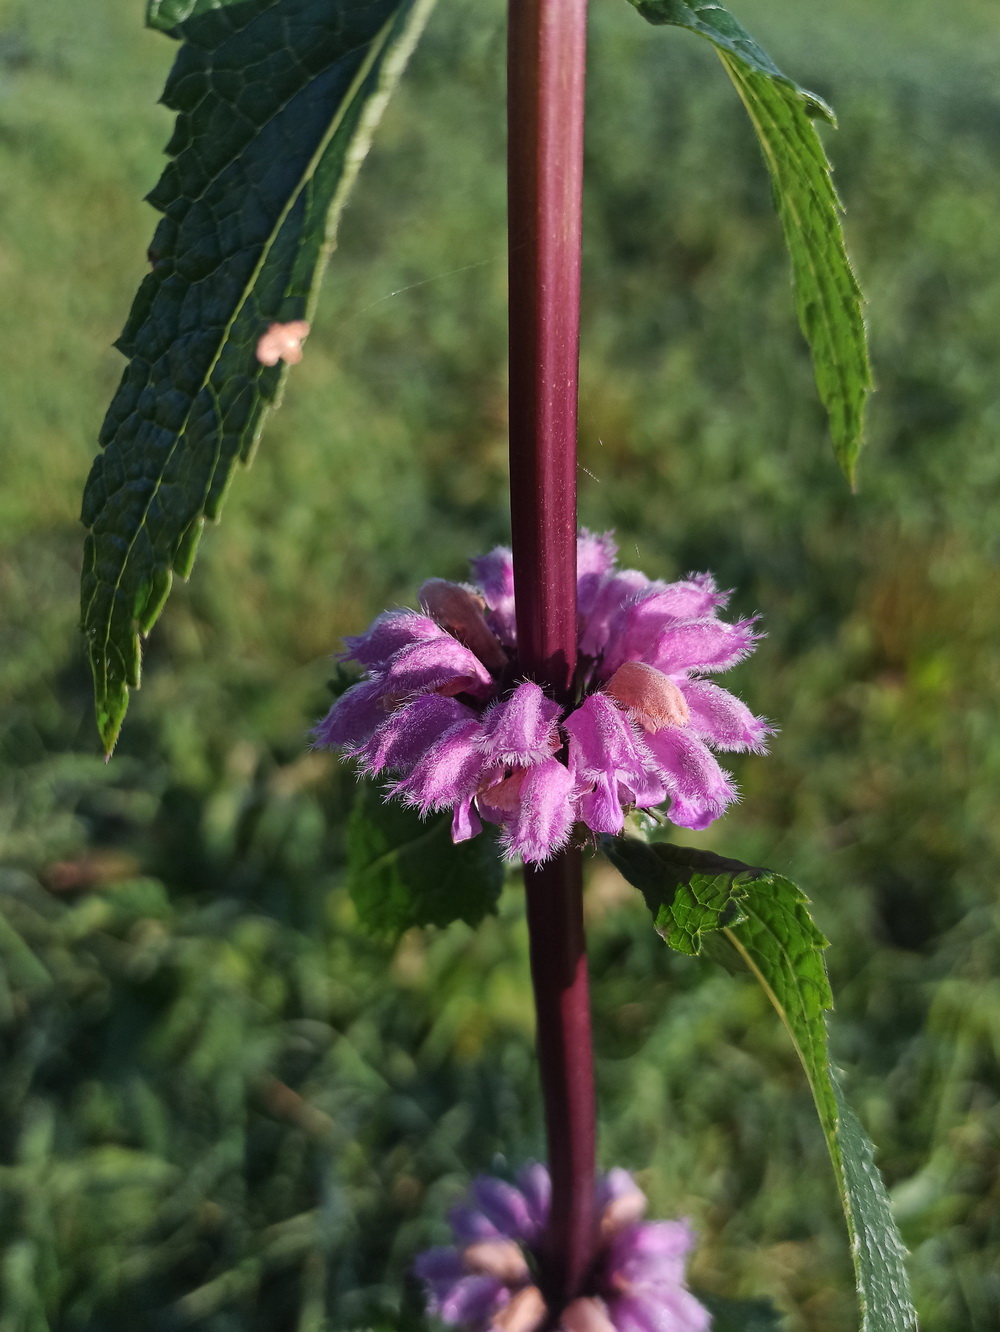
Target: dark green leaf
(404, 870)
(167, 15)
(741, 1315)
(688, 892)
(827, 297)
(277, 101)
(775, 936)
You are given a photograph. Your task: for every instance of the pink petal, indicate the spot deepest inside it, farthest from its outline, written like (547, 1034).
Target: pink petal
(521, 729)
(494, 574)
(354, 716)
(722, 719)
(699, 645)
(606, 752)
(504, 1205)
(406, 735)
(450, 771)
(473, 1299)
(436, 664)
(601, 809)
(595, 557)
(466, 822)
(544, 819)
(534, 1182)
(699, 789)
(613, 593)
(389, 632)
(439, 1264)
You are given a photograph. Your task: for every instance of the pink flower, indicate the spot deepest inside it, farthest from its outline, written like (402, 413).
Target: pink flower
(441, 714)
(489, 1280)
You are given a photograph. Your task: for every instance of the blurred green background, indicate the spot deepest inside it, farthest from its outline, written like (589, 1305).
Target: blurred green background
(222, 1106)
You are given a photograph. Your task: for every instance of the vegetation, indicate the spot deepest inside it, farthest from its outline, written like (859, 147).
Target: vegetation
(224, 1105)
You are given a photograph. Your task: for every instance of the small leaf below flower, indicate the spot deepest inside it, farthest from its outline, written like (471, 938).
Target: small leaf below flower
(405, 871)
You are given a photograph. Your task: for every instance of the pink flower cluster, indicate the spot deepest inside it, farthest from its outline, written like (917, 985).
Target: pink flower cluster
(489, 1280)
(442, 713)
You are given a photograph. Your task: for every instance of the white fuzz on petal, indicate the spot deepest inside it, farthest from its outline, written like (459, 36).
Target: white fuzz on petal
(648, 696)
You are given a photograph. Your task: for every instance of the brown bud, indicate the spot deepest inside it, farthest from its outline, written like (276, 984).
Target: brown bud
(460, 612)
(621, 1212)
(648, 696)
(526, 1312)
(282, 342)
(586, 1315)
(496, 1258)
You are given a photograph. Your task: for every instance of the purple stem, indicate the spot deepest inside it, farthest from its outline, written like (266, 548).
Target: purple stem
(545, 81)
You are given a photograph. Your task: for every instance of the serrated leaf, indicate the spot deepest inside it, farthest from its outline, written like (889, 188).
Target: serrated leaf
(404, 870)
(828, 300)
(277, 101)
(167, 15)
(689, 893)
(777, 939)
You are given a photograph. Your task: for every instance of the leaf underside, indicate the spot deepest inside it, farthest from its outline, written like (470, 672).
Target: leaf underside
(765, 918)
(403, 870)
(276, 104)
(828, 300)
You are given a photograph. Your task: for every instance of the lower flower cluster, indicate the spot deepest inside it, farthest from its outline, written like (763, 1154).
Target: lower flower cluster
(488, 1281)
(443, 715)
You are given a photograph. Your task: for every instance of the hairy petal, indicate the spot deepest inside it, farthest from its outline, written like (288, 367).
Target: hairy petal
(470, 1226)
(700, 645)
(387, 633)
(473, 1299)
(353, 717)
(406, 735)
(437, 664)
(698, 787)
(670, 1309)
(504, 1205)
(721, 719)
(546, 813)
(605, 751)
(521, 729)
(612, 593)
(449, 772)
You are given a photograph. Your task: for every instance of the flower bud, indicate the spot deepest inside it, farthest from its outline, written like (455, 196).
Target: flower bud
(462, 614)
(496, 1258)
(648, 696)
(526, 1311)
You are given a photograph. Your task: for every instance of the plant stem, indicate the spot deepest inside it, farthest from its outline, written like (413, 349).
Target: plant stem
(566, 1067)
(546, 65)
(545, 74)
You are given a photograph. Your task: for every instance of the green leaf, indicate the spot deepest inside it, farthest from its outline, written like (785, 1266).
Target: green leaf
(404, 870)
(777, 939)
(828, 300)
(689, 893)
(741, 1315)
(277, 101)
